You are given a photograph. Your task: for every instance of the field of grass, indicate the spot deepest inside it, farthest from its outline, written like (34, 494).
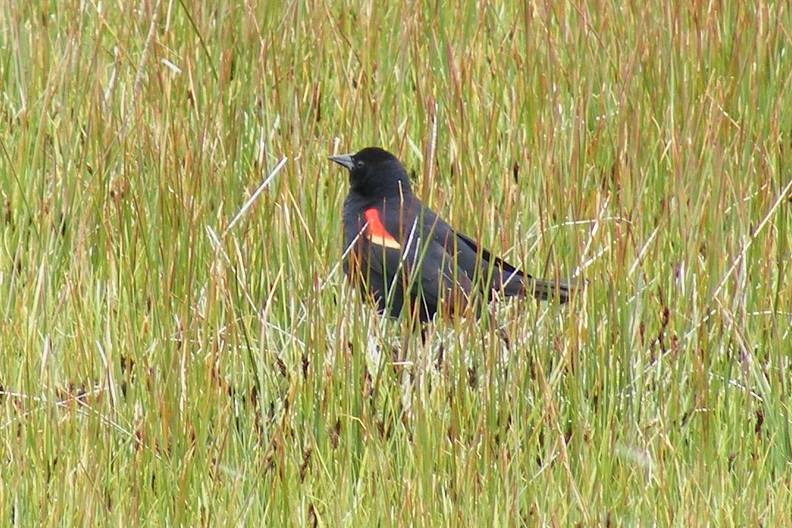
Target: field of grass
(170, 357)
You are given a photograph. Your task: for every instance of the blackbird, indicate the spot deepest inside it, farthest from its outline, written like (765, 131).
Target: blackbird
(402, 254)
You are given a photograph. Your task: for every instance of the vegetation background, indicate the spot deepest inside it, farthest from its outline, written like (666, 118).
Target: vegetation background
(173, 357)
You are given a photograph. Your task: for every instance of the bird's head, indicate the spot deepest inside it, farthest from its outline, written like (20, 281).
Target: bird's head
(375, 173)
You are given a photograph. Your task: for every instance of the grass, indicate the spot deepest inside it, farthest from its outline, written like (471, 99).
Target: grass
(160, 368)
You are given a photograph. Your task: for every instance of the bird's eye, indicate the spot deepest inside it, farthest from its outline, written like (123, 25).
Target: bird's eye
(358, 164)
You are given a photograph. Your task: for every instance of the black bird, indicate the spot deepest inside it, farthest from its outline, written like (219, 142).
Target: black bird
(395, 244)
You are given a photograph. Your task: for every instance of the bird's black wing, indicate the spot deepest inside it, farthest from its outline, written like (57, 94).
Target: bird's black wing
(492, 273)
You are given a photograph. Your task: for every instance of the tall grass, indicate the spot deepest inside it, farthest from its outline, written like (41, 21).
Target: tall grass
(162, 366)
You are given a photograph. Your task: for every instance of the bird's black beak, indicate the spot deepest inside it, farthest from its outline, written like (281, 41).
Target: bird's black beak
(345, 160)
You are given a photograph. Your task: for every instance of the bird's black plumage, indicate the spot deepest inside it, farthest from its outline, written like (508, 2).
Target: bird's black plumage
(400, 252)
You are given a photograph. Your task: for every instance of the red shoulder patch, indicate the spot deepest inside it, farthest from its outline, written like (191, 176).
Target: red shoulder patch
(376, 232)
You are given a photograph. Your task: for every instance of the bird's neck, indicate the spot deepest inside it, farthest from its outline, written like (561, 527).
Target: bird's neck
(390, 201)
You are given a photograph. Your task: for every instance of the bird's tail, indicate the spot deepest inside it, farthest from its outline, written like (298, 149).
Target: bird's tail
(549, 290)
